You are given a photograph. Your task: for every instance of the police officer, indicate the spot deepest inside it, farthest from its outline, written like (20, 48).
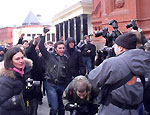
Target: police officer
(130, 63)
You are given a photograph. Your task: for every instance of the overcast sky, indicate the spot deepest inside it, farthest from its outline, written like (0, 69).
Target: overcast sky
(14, 12)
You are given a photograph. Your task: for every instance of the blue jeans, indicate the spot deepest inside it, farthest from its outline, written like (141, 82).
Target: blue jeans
(87, 63)
(55, 93)
(45, 85)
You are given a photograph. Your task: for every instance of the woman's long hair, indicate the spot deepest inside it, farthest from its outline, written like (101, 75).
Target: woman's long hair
(9, 55)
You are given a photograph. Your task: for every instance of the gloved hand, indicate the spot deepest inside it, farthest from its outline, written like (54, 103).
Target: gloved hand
(45, 30)
(70, 107)
(84, 108)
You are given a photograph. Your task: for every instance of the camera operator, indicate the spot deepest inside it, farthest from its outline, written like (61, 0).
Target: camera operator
(13, 82)
(138, 32)
(81, 92)
(106, 35)
(110, 37)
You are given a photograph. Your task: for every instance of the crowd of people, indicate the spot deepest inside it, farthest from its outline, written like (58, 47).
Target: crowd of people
(67, 74)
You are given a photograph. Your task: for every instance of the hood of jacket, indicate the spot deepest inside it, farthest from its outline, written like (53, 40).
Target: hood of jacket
(67, 43)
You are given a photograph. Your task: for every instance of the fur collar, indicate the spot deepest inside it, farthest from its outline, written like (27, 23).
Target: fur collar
(8, 73)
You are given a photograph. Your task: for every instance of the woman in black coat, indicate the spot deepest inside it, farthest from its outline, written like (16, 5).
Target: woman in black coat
(13, 81)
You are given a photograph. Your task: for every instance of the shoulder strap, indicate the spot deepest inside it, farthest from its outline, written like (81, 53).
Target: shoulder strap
(107, 88)
(121, 82)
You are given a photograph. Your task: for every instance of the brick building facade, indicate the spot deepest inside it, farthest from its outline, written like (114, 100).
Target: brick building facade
(122, 11)
(6, 35)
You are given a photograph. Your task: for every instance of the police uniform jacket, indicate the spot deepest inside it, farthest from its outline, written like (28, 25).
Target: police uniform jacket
(135, 62)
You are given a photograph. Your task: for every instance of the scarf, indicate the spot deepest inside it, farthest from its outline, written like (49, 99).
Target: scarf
(21, 72)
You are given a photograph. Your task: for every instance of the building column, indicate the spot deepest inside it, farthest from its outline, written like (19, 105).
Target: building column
(83, 25)
(60, 30)
(69, 28)
(57, 32)
(66, 29)
(75, 27)
(64, 36)
(78, 29)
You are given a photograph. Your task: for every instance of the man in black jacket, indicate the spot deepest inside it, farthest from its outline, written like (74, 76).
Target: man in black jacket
(57, 74)
(77, 67)
(86, 50)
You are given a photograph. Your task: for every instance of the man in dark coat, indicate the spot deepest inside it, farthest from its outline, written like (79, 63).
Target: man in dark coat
(76, 64)
(85, 48)
(93, 53)
(130, 63)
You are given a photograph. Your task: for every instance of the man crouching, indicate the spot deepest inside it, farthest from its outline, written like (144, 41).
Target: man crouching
(80, 96)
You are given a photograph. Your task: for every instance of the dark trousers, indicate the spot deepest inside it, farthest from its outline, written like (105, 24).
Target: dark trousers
(33, 106)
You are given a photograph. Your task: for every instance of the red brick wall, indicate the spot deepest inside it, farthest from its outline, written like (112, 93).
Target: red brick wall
(122, 11)
(6, 35)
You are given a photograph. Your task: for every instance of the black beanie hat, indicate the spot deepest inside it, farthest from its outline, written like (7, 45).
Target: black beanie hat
(127, 41)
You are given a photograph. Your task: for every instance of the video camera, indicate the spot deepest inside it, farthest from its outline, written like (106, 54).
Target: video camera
(110, 37)
(132, 24)
(30, 82)
(106, 35)
(110, 51)
(115, 33)
(114, 24)
(103, 33)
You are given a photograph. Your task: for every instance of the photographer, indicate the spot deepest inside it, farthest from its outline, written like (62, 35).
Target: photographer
(108, 50)
(106, 35)
(13, 82)
(110, 37)
(138, 32)
(81, 92)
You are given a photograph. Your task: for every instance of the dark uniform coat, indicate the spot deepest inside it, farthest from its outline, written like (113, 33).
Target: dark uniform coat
(136, 62)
